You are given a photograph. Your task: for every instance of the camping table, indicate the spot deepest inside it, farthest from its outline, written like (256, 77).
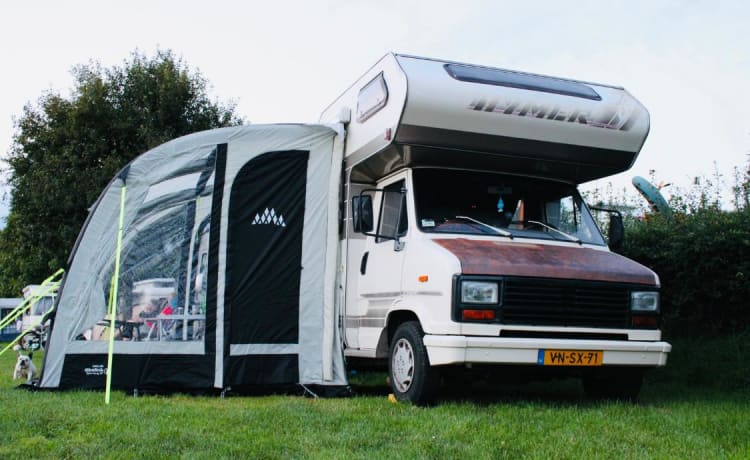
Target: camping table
(185, 318)
(119, 324)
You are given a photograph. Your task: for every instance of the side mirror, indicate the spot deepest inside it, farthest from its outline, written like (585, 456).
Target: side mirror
(616, 232)
(362, 213)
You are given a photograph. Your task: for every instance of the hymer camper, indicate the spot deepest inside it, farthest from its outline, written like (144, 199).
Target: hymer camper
(465, 242)
(431, 222)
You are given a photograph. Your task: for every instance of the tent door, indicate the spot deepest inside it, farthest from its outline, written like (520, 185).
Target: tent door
(264, 253)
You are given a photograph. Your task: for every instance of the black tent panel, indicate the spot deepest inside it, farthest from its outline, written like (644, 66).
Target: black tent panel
(144, 372)
(262, 370)
(264, 249)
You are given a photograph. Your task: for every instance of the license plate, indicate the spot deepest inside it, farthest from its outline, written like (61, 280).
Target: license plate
(569, 358)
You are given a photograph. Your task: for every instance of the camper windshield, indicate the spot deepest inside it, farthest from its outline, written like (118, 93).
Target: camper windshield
(43, 305)
(469, 202)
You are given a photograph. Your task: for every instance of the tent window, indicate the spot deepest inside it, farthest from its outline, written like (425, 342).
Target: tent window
(172, 186)
(158, 299)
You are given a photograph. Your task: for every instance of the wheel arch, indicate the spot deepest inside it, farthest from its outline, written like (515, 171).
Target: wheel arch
(393, 321)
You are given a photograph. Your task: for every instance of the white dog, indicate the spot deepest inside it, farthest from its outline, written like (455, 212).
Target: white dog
(24, 366)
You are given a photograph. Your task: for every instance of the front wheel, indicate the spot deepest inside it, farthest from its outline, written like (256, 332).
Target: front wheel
(412, 378)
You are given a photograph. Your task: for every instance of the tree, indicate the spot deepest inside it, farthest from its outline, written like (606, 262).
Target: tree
(65, 151)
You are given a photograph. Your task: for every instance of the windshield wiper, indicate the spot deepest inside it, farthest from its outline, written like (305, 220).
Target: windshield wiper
(549, 227)
(499, 231)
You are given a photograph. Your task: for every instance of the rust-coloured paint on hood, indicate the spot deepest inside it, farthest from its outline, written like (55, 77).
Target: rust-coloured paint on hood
(545, 261)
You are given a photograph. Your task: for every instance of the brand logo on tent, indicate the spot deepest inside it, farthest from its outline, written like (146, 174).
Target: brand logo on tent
(269, 217)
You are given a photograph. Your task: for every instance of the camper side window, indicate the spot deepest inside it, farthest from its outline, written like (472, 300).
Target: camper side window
(393, 219)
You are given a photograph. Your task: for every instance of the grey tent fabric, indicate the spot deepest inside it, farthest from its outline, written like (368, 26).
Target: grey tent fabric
(173, 324)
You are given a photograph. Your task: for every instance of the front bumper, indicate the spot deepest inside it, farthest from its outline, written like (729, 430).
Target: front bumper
(453, 349)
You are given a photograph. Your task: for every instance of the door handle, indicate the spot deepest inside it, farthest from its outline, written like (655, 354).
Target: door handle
(363, 263)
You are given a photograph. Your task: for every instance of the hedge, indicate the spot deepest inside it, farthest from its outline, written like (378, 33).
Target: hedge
(703, 261)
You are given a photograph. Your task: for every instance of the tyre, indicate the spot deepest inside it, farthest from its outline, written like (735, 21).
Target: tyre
(411, 376)
(31, 341)
(614, 384)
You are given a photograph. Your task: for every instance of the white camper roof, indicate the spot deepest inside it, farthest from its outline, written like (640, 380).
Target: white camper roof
(31, 289)
(410, 111)
(9, 303)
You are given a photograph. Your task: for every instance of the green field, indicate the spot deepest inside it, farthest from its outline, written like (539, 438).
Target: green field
(698, 407)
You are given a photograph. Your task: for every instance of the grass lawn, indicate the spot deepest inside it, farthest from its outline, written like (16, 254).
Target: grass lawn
(698, 407)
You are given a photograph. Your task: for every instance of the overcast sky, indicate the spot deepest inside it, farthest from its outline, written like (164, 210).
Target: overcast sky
(688, 62)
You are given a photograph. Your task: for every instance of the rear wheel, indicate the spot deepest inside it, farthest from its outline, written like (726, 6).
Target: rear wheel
(614, 384)
(412, 378)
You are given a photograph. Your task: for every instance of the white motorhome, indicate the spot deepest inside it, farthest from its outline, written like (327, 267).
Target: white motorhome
(464, 240)
(431, 221)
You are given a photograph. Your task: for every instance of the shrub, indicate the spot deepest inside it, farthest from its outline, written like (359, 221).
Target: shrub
(703, 260)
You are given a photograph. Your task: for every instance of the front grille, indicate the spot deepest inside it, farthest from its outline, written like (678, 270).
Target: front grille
(546, 302)
(531, 334)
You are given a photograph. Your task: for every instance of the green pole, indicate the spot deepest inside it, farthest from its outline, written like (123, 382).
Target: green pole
(113, 298)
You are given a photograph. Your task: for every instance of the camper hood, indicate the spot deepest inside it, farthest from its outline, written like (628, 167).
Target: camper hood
(545, 261)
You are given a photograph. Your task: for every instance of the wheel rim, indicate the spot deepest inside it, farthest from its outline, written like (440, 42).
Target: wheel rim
(402, 365)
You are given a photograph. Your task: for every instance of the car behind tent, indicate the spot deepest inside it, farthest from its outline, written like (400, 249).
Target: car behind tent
(227, 267)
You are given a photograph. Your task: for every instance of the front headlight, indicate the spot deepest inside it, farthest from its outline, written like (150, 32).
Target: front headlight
(644, 301)
(479, 292)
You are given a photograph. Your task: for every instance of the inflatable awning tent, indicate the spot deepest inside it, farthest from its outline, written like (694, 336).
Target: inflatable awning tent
(227, 267)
